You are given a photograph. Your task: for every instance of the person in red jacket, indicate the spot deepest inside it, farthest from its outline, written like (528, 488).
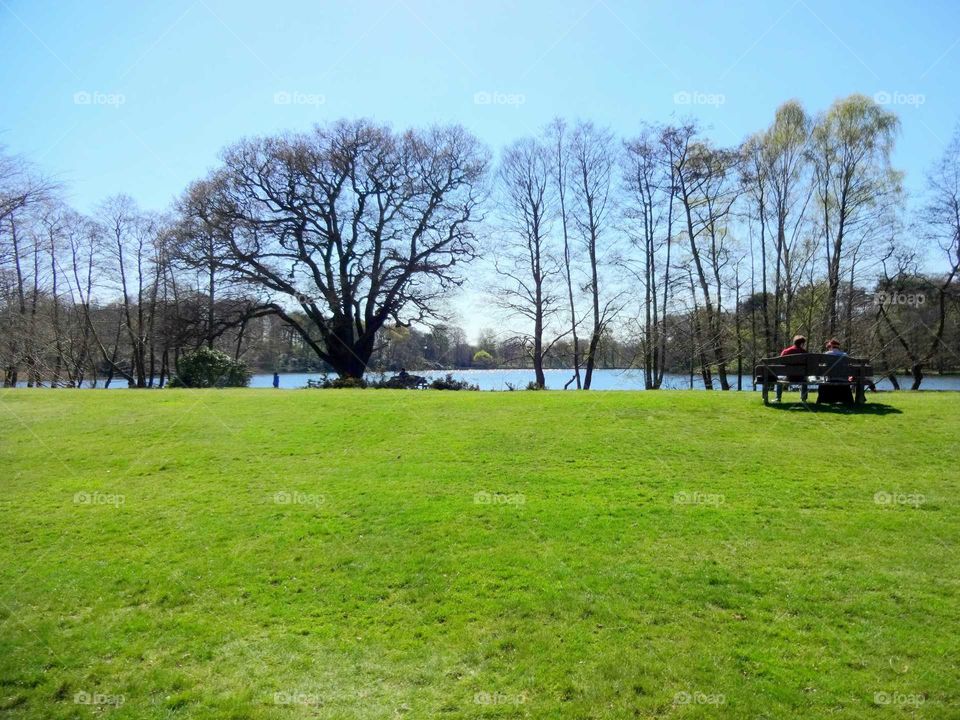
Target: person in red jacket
(799, 346)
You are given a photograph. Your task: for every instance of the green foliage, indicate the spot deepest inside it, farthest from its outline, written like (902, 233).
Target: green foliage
(208, 368)
(339, 383)
(451, 383)
(483, 359)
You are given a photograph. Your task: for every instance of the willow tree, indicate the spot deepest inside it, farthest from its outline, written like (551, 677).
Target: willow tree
(349, 227)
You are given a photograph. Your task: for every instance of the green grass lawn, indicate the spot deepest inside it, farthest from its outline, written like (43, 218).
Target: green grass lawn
(382, 554)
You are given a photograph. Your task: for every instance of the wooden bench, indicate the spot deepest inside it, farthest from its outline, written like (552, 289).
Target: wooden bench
(408, 382)
(813, 369)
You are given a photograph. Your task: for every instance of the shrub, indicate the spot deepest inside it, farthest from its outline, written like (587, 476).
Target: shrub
(451, 383)
(483, 358)
(205, 368)
(338, 383)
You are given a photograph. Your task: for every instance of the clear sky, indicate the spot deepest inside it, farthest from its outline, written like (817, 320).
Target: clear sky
(139, 97)
(190, 76)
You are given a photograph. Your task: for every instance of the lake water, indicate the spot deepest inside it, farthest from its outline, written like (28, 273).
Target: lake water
(602, 380)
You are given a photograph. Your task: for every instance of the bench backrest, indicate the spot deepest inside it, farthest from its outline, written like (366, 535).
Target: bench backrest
(835, 367)
(803, 365)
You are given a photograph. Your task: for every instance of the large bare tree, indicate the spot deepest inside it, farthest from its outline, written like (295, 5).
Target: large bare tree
(353, 224)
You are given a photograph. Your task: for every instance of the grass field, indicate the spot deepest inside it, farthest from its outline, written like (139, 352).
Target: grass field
(378, 554)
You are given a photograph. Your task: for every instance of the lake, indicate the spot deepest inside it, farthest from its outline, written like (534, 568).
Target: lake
(602, 380)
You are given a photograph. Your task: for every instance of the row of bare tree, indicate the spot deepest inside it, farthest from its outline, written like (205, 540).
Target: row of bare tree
(350, 231)
(84, 298)
(802, 228)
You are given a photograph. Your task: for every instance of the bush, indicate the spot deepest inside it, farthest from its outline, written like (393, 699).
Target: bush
(338, 383)
(483, 359)
(451, 383)
(206, 368)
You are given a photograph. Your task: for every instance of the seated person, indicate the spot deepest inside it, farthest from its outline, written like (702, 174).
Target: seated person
(835, 391)
(403, 374)
(833, 347)
(799, 346)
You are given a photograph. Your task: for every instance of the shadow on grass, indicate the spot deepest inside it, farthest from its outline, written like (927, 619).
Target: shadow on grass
(837, 409)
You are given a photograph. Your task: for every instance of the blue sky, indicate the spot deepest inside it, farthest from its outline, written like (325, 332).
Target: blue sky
(140, 97)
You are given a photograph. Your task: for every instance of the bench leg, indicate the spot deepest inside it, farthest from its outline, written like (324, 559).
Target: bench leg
(803, 392)
(861, 398)
(766, 394)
